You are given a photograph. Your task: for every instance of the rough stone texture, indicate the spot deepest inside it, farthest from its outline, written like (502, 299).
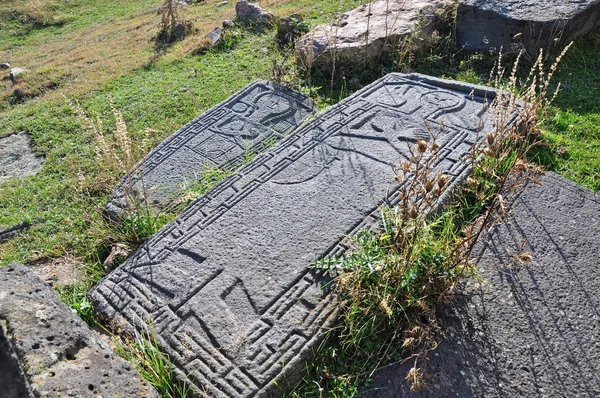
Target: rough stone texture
(59, 354)
(17, 158)
(368, 31)
(227, 284)
(13, 383)
(245, 123)
(485, 25)
(215, 35)
(251, 13)
(531, 328)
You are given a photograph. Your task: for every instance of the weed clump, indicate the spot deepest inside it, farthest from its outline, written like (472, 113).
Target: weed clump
(172, 27)
(143, 351)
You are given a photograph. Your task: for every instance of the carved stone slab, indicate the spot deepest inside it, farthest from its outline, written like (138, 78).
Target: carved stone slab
(244, 124)
(530, 24)
(227, 284)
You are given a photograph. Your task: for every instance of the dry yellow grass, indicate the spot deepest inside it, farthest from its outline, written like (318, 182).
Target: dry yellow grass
(84, 59)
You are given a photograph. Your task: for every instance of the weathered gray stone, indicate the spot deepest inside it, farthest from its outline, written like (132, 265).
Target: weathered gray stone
(59, 354)
(215, 35)
(372, 29)
(227, 284)
(529, 328)
(220, 138)
(247, 12)
(13, 383)
(228, 23)
(485, 25)
(17, 158)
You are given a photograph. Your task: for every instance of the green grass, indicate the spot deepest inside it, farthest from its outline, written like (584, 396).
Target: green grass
(143, 351)
(28, 22)
(170, 89)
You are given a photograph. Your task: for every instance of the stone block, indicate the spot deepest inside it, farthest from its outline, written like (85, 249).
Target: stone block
(371, 30)
(57, 352)
(530, 324)
(484, 25)
(243, 125)
(228, 286)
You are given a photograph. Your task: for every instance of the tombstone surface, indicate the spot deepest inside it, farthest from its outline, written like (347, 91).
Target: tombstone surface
(483, 25)
(58, 354)
(527, 328)
(243, 125)
(227, 284)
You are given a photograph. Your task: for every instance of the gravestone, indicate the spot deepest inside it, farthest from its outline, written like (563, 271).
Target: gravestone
(17, 158)
(243, 125)
(43, 342)
(530, 325)
(227, 285)
(483, 25)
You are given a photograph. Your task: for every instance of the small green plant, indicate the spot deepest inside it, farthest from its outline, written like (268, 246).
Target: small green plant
(203, 181)
(143, 351)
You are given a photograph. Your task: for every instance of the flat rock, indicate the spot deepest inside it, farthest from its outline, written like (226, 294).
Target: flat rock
(59, 355)
(17, 158)
(372, 29)
(245, 124)
(530, 328)
(483, 25)
(227, 284)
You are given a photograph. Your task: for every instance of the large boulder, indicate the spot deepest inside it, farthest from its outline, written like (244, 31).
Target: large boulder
(484, 25)
(372, 29)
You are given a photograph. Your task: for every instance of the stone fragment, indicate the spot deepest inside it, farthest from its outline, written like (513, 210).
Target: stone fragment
(215, 35)
(17, 158)
(16, 72)
(227, 285)
(372, 29)
(228, 23)
(58, 353)
(221, 138)
(247, 12)
(4, 66)
(484, 25)
(289, 28)
(533, 315)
